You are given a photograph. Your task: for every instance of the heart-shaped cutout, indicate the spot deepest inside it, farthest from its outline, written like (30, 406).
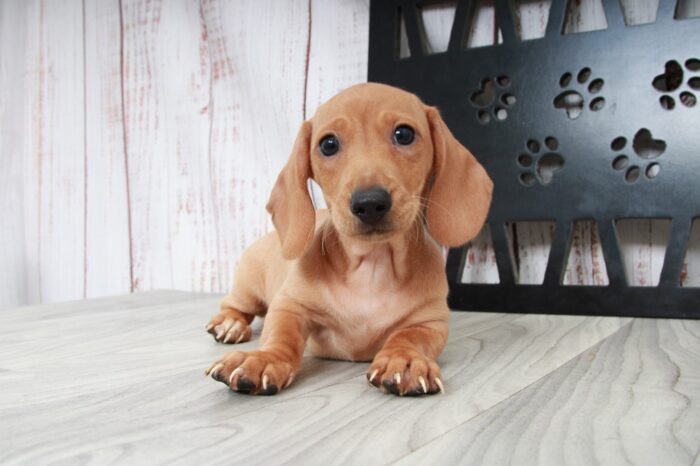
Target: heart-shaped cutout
(485, 95)
(571, 101)
(548, 165)
(671, 79)
(646, 147)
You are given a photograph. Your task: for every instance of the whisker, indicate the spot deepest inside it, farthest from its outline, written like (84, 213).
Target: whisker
(430, 203)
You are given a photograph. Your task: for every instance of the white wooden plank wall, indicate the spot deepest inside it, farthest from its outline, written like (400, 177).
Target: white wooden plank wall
(139, 138)
(53, 149)
(14, 279)
(107, 240)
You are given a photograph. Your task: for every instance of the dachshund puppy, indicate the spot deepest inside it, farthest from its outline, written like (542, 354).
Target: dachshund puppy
(365, 280)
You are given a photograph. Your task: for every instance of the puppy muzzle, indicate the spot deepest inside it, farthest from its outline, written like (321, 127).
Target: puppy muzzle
(371, 205)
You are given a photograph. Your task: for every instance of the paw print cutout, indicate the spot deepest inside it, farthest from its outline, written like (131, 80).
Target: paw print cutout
(492, 100)
(646, 148)
(540, 168)
(572, 99)
(671, 81)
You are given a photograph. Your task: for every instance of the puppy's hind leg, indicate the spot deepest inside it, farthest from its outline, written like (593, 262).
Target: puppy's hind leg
(239, 308)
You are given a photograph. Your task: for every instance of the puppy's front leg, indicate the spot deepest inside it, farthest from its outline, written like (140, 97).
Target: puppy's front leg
(273, 366)
(406, 363)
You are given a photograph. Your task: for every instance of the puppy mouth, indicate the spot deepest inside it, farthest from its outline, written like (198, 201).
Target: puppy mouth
(374, 230)
(383, 229)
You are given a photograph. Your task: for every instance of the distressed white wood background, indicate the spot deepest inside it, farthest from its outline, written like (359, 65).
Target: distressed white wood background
(139, 138)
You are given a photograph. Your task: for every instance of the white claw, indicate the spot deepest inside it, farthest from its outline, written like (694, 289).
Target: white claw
(209, 327)
(289, 380)
(397, 378)
(439, 384)
(371, 377)
(240, 338)
(421, 380)
(216, 369)
(232, 332)
(236, 371)
(225, 327)
(265, 381)
(211, 366)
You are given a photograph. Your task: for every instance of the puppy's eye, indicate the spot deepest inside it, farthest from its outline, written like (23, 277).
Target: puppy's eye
(329, 145)
(404, 135)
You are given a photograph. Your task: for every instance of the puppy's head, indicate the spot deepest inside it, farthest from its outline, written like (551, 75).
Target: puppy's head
(382, 158)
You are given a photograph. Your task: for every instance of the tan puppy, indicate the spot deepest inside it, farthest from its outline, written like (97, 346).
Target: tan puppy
(363, 281)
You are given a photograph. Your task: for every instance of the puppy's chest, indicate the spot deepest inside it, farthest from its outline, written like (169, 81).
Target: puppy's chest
(358, 312)
(368, 302)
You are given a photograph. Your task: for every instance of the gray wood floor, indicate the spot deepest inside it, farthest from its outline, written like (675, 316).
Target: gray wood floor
(120, 380)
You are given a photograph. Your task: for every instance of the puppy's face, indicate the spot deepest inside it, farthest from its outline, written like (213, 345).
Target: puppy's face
(373, 149)
(372, 154)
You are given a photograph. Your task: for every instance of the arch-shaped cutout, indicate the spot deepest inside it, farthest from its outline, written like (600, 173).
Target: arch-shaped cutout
(585, 263)
(690, 273)
(642, 244)
(482, 29)
(530, 245)
(436, 20)
(687, 9)
(591, 10)
(639, 12)
(528, 17)
(480, 259)
(401, 49)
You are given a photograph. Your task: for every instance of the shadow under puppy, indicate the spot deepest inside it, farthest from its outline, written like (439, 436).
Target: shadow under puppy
(364, 280)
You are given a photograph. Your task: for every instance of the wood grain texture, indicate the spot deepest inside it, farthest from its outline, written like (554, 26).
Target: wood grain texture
(257, 99)
(123, 382)
(688, 9)
(338, 30)
(107, 234)
(166, 100)
(437, 24)
(586, 264)
(480, 259)
(531, 18)
(533, 247)
(585, 16)
(53, 155)
(643, 249)
(483, 31)
(15, 287)
(690, 275)
(634, 398)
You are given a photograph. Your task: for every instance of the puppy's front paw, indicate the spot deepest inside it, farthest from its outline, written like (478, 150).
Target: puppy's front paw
(229, 328)
(253, 372)
(404, 372)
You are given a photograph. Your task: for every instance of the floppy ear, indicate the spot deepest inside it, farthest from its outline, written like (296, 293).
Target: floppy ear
(290, 205)
(460, 195)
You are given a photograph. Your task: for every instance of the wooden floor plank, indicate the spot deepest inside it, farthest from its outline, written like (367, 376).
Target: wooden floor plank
(122, 381)
(348, 425)
(632, 399)
(77, 378)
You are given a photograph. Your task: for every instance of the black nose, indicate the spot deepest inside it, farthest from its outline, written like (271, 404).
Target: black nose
(370, 205)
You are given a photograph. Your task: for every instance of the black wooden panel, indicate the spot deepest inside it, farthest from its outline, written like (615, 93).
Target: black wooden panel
(630, 76)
